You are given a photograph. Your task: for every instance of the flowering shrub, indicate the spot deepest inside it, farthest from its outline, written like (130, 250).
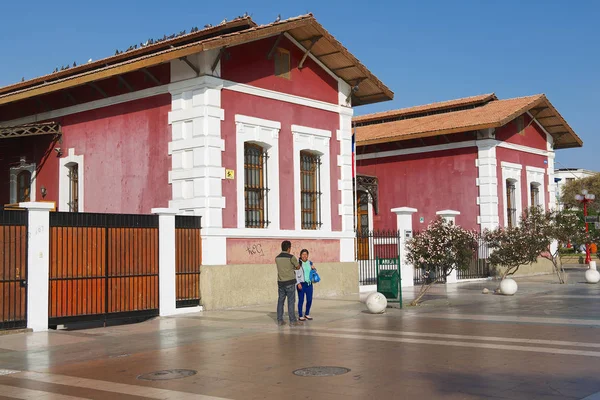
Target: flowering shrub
(443, 245)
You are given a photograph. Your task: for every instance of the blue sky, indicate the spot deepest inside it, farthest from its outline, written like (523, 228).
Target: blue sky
(424, 51)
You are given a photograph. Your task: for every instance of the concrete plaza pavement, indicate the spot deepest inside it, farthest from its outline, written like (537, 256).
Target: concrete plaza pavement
(542, 343)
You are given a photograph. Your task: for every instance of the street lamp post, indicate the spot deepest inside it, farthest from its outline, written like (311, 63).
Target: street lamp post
(585, 198)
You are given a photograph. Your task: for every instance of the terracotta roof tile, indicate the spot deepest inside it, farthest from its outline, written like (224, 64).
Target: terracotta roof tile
(465, 101)
(492, 114)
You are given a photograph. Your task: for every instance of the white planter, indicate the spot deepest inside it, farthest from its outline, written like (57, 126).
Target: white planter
(508, 286)
(592, 276)
(376, 303)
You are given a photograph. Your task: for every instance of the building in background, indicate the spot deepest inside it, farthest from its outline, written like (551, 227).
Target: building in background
(562, 176)
(487, 158)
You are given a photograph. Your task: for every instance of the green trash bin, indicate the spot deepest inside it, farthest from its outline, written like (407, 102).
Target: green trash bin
(387, 283)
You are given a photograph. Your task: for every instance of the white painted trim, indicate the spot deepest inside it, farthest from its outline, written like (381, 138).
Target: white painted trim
(311, 131)
(417, 150)
(266, 134)
(512, 171)
(92, 105)
(264, 123)
(181, 86)
(535, 169)
(275, 233)
(14, 172)
(509, 165)
(64, 183)
(449, 146)
(536, 176)
(316, 140)
(312, 57)
(525, 149)
(288, 98)
(487, 182)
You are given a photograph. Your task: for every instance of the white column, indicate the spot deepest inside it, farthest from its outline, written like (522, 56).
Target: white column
(38, 264)
(405, 226)
(487, 180)
(166, 260)
(552, 186)
(450, 216)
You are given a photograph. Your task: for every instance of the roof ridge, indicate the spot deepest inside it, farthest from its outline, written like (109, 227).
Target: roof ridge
(439, 105)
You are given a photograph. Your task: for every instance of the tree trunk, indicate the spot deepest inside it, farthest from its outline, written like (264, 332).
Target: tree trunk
(424, 288)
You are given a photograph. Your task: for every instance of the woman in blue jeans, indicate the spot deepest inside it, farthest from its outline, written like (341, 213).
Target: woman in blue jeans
(304, 285)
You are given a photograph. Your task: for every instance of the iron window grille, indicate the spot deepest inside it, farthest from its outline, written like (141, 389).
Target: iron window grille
(310, 190)
(535, 195)
(511, 204)
(256, 192)
(23, 186)
(74, 188)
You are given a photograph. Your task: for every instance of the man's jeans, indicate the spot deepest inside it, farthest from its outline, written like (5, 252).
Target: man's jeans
(289, 292)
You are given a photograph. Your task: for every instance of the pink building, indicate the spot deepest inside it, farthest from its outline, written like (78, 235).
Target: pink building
(487, 158)
(248, 126)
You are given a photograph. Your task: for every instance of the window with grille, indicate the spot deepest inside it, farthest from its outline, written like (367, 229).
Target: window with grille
(310, 190)
(74, 188)
(255, 186)
(23, 186)
(535, 194)
(282, 63)
(511, 203)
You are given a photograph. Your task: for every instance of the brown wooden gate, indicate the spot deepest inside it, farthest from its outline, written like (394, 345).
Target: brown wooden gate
(188, 255)
(13, 269)
(102, 266)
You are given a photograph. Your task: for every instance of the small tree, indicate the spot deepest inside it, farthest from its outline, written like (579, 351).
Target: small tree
(510, 248)
(535, 237)
(443, 246)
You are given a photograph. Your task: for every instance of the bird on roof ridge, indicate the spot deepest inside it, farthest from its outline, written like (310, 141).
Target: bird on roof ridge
(278, 18)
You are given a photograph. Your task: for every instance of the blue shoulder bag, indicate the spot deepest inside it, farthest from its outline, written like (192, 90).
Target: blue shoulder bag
(314, 277)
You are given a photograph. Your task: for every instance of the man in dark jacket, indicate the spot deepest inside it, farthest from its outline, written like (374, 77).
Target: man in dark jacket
(287, 264)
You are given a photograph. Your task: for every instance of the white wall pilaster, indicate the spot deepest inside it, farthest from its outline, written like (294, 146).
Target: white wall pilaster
(166, 261)
(487, 180)
(197, 172)
(38, 264)
(405, 226)
(450, 216)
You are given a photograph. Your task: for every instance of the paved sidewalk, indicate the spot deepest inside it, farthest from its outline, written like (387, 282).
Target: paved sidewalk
(460, 344)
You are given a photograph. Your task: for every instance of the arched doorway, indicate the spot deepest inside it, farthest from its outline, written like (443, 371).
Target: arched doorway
(362, 225)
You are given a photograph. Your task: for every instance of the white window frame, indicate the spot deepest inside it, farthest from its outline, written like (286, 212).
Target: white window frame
(14, 172)
(536, 176)
(316, 141)
(512, 171)
(64, 182)
(266, 134)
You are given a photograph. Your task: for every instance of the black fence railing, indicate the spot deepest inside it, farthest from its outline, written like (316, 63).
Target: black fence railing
(373, 245)
(188, 260)
(480, 266)
(13, 269)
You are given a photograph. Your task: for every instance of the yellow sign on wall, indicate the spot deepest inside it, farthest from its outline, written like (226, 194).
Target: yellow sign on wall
(229, 174)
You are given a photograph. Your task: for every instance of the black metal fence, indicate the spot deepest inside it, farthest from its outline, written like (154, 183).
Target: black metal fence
(102, 266)
(480, 266)
(13, 269)
(188, 260)
(372, 245)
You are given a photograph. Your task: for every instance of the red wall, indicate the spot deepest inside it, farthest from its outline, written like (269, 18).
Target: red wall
(533, 137)
(125, 155)
(248, 64)
(288, 114)
(526, 160)
(429, 182)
